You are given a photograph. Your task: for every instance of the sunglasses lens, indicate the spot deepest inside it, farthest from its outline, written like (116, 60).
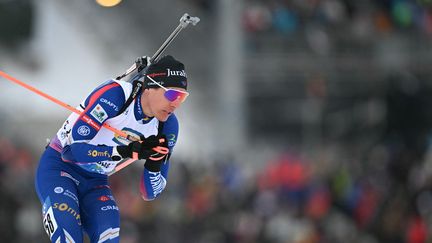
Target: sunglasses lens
(172, 95)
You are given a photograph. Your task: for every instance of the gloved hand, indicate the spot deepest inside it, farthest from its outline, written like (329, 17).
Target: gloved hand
(143, 149)
(161, 150)
(155, 161)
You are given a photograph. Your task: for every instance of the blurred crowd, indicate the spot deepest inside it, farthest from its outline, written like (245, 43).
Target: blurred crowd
(365, 189)
(370, 16)
(335, 194)
(19, 206)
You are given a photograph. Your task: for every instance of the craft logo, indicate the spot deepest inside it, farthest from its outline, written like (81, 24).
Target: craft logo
(114, 106)
(109, 207)
(99, 113)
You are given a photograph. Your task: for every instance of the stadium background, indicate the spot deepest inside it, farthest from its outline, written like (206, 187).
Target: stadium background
(308, 120)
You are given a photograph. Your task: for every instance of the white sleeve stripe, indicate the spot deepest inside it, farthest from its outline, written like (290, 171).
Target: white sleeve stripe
(109, 234)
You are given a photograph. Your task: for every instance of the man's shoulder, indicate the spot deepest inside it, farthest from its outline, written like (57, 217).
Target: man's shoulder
(172, 120)
(114, 89)
(126, 86)
(171, 130)
(111, 94)
(171, 125)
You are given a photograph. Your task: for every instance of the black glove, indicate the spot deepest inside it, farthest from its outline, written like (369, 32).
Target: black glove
(154, 162)
(143, 148)
(161, 150)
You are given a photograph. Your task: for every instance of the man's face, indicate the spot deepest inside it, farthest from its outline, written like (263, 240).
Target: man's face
(158, 106)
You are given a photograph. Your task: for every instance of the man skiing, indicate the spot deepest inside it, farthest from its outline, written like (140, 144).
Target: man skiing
(72, 177)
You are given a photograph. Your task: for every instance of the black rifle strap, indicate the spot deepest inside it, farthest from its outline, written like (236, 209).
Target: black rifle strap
(136, 87)
(160, 127)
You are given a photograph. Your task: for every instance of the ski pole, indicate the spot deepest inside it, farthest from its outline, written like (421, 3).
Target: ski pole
(73, 109)
(185, 20)
(85, 119)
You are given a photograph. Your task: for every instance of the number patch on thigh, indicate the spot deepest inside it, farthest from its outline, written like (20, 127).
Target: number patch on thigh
(49, 222)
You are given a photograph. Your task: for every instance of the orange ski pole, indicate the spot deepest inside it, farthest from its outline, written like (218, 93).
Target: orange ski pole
(87, 120)
(61, 103)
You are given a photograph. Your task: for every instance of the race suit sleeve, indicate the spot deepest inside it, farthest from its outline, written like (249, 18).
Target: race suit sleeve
(103, 103)
(155, 173)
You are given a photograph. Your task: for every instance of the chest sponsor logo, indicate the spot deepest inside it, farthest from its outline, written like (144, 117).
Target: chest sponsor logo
(123, 141)
(95, 153)
(84, 130)
(99, 113)
(106, 164)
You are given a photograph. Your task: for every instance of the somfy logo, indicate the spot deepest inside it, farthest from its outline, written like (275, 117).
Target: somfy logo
(176, 73)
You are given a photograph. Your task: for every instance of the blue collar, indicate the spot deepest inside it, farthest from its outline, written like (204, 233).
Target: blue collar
(139, 113)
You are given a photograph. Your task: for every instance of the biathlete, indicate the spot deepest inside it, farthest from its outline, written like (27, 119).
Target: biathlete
(72, 176)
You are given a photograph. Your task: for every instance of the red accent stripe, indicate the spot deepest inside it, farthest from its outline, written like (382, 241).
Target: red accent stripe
(156, 74)
(89, 121)
(98, 93)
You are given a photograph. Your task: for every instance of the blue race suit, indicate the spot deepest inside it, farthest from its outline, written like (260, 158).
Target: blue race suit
(71, 179)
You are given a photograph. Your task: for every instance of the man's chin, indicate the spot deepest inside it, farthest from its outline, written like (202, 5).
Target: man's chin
(162, 117)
